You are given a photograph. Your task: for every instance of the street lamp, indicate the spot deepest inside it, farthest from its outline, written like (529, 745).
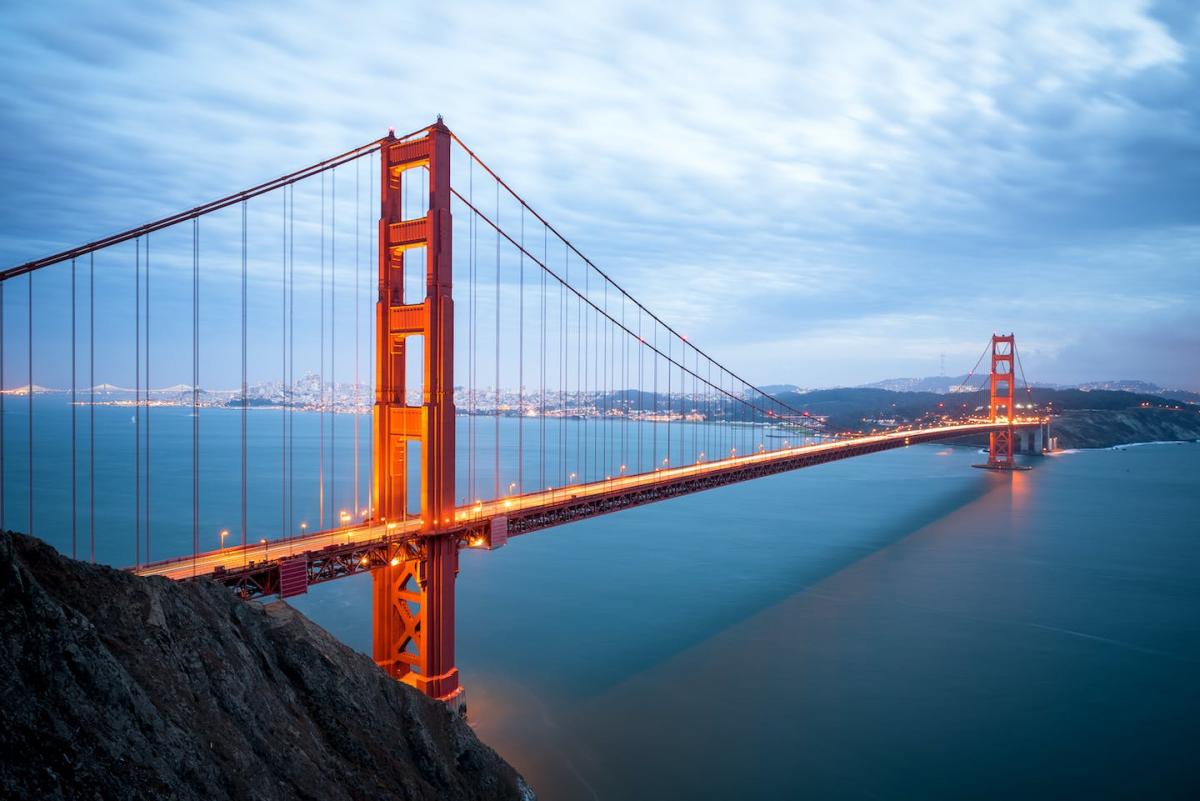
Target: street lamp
(266, 548)
(224, 534)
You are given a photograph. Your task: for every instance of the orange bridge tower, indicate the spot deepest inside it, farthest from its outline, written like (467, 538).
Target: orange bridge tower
(414, 595)
(1002, 398)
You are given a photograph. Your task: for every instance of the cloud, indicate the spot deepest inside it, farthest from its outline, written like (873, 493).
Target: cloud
(821, 175)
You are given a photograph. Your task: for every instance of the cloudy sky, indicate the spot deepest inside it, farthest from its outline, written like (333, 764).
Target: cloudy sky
(822, 194)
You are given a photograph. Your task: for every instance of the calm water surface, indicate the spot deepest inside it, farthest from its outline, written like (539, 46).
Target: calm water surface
(895, 626)
(899, 626)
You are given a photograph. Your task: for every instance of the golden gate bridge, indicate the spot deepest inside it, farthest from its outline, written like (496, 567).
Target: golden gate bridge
(615, 408)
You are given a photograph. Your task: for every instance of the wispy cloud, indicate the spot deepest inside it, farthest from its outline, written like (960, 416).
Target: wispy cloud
(890, 176)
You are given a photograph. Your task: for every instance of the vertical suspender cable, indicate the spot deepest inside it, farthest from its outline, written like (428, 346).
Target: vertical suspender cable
(74, 477)
(623, 344)
(371, 339)
(670, 367)
(602, 384)
(656, 461)
(321, 377)
(195, 390)
(625, 387)
(245, 393)
(607, 385)
(542, 372)
(594, 390)
(580, 363)
(695, 392)
(471, 335)
(496, 491)
(521, 366)
(333, 343)
(91, 407)
(147, 397)
(30, 399)
(291, 372)
(137, 401)
(2, 441)
(582, 370)
(284, 529)
(562, 373)
(357, 358)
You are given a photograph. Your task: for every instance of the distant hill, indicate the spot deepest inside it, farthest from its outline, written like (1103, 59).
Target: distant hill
(941, 384)
(776, 389)
(864, 408)
(945, 384)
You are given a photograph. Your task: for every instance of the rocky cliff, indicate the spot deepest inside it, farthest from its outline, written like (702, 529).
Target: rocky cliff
(120, 687)
(1104, 428)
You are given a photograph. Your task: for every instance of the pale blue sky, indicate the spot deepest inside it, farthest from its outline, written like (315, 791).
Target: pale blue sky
(818, 194)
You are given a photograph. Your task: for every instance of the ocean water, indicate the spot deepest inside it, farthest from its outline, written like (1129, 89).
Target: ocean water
(894, 626)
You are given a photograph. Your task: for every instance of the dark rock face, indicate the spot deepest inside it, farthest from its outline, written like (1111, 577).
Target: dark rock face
(1086, 428)
(121, 687)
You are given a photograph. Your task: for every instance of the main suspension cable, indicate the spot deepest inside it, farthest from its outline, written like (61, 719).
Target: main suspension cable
(567, 243)
(581, 299)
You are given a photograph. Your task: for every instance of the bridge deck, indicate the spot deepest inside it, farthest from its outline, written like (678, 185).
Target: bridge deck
(363, 547)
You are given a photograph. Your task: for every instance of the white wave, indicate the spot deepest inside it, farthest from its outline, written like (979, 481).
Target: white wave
(1144, 444)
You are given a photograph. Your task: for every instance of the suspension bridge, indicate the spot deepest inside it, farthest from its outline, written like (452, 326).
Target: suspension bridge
(609, 407)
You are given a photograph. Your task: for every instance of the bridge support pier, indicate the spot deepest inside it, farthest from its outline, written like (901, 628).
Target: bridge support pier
(414, 621)
(414, 598)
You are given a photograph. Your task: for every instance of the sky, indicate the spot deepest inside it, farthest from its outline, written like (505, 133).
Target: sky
(817, 194)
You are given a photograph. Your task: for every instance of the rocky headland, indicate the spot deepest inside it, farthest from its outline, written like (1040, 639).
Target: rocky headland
(121, 687)
(1105, 428)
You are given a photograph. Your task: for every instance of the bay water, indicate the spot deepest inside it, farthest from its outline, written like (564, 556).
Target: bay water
(893, 626)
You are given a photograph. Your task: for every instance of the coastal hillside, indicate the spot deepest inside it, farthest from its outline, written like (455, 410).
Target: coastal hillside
(1095, 418)
(1104, 428)
(120, 687)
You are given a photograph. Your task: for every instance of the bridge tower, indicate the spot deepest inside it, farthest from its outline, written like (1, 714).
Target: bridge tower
(414, 599)
(1002, 402)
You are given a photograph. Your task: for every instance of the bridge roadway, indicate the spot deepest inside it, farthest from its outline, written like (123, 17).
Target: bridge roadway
(254, 568)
